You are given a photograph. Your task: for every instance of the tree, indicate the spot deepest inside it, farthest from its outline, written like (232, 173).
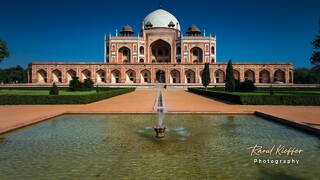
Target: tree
(315, 58)
(205, 77)
(307, 76)
(4, 52)
(246, 86)
(13, 75)
(75, 84)
(54, 90)
(230, 84)
(88, 83)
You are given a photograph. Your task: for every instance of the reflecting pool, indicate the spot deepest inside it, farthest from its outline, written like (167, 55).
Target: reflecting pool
(123, 146)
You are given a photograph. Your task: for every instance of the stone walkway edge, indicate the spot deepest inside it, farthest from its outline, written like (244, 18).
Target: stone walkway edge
(296, 125)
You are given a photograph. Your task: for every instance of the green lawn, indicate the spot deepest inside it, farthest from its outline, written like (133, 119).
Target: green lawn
(43, 92)
(276, 93)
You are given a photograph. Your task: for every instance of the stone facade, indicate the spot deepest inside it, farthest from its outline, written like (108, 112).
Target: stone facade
(147, 73)
(159, 54)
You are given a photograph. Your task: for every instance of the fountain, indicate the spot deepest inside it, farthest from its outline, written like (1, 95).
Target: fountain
(160, 109)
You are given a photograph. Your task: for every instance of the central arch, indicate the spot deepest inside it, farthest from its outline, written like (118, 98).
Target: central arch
(160, 51)
(161, 76)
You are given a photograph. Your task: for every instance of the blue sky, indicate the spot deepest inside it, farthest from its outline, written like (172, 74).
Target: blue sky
(73, 30)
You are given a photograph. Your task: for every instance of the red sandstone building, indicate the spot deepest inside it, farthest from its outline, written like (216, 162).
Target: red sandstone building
(160, 53)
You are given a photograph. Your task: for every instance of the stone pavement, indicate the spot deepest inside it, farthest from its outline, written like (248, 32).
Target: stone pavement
(183, 101)
(142, 101)
(13, 116)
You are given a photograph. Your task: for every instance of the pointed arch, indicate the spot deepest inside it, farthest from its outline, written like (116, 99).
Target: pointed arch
(101, 76)
(141, 50)
(85, 74)
(219, 76)
(161, 76)
(70, 74)
(145, 76)
(130, 76)
(175, 76)
(249, 75)
(190, 76)
(279, 76)
(115, 76)
(42, 76)
(124, 55)
(236, 74)
(160, 51)
(264, 76)
(196, 54)
(56, 76)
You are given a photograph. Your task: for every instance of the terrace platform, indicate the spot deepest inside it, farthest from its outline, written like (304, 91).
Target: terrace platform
(142, 101)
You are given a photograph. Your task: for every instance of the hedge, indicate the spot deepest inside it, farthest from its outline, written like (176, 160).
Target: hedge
(261, 99)
(48, 87)
(220, 95)
(274, 89)
(61, 99)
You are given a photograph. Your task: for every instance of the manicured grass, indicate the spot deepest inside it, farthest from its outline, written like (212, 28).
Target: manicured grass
(264, 97)
(79, 98)
(275, 93)
(43, 92)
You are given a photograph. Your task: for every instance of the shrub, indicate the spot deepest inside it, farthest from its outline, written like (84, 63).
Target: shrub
(246, 86)
(61, 99)
(75, 84)
(87, 83)
(220, 95)
(261, 99)
(54, 90)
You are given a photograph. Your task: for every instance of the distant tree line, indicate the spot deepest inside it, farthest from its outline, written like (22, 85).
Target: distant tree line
(307, 75)
(310, 75)
(13, 75)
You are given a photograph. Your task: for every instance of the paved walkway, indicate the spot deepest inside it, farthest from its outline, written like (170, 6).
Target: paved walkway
(183, 101)
(139, 101)
(142, 101)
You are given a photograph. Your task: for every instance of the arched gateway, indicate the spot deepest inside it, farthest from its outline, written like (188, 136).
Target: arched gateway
(161, 76)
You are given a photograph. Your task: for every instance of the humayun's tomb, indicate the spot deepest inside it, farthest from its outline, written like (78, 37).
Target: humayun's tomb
(160, 53)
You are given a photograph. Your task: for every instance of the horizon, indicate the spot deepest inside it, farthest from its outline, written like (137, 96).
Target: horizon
(73, 31)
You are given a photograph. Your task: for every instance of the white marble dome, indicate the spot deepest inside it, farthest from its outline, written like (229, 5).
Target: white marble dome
(161, 18)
